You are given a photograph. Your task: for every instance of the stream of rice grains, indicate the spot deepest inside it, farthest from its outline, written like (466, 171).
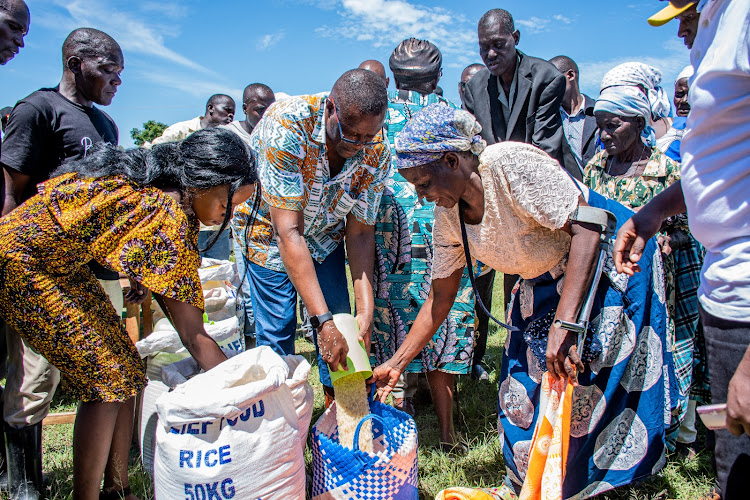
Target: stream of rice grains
(351, 407)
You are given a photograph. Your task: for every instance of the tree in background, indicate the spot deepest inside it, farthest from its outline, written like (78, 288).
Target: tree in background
(151, 130)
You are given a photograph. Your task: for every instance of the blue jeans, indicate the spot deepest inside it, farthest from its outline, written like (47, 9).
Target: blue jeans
(221, 248)
(274, 303)
(244, 303)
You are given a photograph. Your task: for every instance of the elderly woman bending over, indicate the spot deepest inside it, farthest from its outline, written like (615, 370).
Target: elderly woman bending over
(518, 204)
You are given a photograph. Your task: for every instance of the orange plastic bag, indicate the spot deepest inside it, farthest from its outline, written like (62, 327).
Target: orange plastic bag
(549, 448)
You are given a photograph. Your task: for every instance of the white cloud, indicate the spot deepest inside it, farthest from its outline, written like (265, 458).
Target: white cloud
(267, 41)
(387, 22)
(173, 10)
(133, 33)
(189, 85)
(536, 24)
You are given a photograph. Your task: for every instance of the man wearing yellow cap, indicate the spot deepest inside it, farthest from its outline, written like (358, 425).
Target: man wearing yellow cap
(687, 15)
(714, 185)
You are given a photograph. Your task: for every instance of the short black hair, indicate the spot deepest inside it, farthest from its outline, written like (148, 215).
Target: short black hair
(500, 16)
(216, 99)
(86, 43)
(564, 64)
(256, 89)
(362, 90)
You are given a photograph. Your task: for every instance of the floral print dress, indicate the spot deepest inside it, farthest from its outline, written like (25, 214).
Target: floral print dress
(52, 299)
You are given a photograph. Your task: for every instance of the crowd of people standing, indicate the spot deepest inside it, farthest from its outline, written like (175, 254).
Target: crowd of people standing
(423, 201)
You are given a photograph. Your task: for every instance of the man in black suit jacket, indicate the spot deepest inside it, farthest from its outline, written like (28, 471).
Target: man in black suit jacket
(577, 112)
(516, 97)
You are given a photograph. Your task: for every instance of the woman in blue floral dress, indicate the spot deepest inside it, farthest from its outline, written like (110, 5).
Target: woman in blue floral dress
(403, 273)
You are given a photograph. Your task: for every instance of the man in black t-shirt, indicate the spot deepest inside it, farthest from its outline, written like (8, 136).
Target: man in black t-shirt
(50, 127)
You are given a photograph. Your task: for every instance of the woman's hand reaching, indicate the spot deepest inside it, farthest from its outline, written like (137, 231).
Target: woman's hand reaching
(385, 377)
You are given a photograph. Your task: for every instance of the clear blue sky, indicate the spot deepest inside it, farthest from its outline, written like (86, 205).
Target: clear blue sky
(178, 53)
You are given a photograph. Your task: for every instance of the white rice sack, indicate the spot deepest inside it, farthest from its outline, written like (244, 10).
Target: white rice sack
(166, 339)
(216, 270)
(236, 431)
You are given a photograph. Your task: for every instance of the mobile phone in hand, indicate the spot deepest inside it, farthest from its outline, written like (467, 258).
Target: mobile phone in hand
(714, 416)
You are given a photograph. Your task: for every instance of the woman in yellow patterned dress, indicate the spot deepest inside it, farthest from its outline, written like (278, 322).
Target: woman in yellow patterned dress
(135, 212)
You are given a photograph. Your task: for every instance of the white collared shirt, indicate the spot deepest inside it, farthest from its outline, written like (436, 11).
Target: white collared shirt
(716, 156)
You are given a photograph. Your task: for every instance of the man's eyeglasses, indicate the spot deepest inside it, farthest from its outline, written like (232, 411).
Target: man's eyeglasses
(377, 140)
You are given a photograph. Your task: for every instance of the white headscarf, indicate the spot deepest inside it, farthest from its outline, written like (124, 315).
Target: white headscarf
(647, 78)
(627, 100)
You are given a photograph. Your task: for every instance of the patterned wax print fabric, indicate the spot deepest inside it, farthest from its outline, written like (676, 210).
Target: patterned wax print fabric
(460, 493)
(52, 299)
(403, 246)
(681, 270)
(548, 455)
(622, 404)
(290, 147)
(435, 130)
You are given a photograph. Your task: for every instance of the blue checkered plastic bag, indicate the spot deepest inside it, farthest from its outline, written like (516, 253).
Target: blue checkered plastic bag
(340, 473)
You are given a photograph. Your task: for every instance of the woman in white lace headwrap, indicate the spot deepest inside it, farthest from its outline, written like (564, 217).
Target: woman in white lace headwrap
(517, 204)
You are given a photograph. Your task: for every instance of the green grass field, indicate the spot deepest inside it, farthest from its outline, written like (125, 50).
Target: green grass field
(476, 421)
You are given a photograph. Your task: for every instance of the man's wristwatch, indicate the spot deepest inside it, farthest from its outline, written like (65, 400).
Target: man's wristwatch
(318, 320)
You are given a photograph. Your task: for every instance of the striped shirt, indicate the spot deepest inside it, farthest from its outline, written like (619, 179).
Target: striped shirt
(573, 130)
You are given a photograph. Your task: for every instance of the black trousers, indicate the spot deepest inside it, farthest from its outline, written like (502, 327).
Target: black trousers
(726, 342)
